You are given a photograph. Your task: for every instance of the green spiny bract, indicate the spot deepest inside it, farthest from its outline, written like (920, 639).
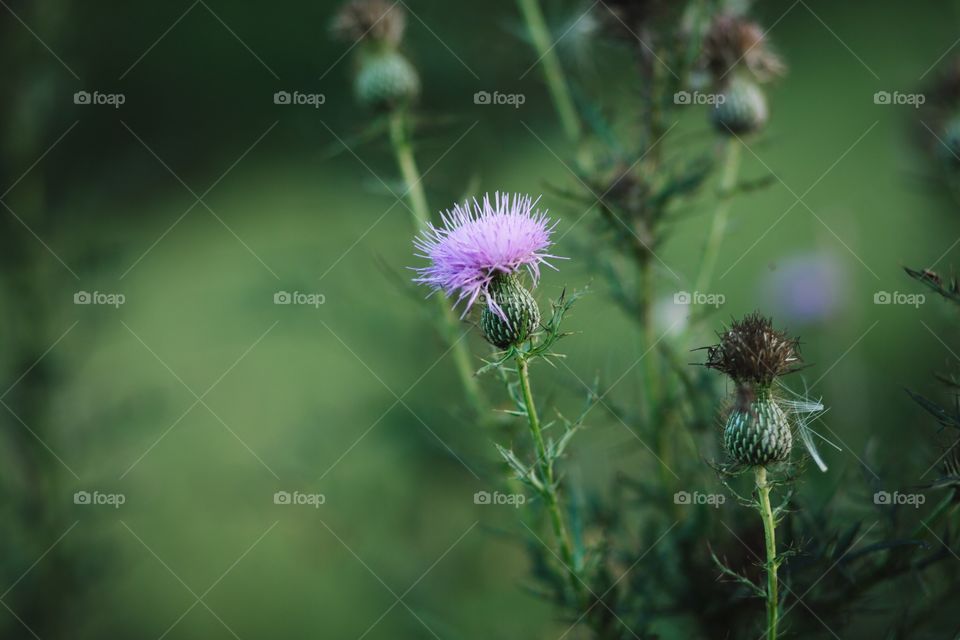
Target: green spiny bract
(386, 79)
(742, 109)
(757, 432)
(520, 311)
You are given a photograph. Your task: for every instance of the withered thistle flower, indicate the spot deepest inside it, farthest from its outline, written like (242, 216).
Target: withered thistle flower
(385, 78)
(379, 21)
(754, 355)
(752, 352)
(480, 252)
(734, 44)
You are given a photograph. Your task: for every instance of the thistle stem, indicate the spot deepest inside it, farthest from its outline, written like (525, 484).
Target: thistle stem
(554, 76)
(417, 199)
(728, 180)
(770, 539)
(552, 71)
(549, 490)
(652, 375)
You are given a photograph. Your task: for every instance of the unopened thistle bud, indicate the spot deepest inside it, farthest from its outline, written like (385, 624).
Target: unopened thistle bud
(480, 252)
(741, 109)
(754, 354)
(757, 432)
(386, 80)
(515, 317)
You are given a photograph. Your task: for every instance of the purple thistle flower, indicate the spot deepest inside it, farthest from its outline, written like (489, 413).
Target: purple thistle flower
(474, 244)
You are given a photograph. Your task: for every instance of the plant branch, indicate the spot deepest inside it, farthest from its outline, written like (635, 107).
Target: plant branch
(417, 199)
(770, 540)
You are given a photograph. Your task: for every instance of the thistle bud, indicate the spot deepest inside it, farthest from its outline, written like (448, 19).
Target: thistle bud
(514, 314)
(742, 109)
(757, 432)
(386, 80)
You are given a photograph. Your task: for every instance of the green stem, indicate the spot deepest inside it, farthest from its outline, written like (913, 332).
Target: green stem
(417, 198)
(728, 180)
(652, 378)
(770, 539)
(553, 74)
(549, 491)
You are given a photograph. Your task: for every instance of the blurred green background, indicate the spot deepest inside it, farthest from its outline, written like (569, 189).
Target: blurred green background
(352, 399)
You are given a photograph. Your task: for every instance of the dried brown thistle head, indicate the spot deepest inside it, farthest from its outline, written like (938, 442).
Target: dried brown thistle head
(751, 351)
(380, 21)
(733, 41)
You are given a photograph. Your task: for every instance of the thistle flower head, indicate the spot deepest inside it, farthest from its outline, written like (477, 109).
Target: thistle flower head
(378, 21)
(476, 243)
(751, 351)
(733, 41)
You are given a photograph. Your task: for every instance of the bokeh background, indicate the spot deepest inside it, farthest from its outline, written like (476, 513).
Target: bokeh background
(199, 199)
